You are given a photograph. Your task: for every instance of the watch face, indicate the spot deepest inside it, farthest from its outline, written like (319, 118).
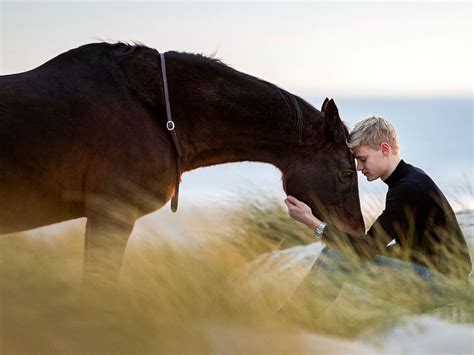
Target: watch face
(318, 232)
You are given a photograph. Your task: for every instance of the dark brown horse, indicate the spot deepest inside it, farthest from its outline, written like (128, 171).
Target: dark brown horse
(84, 135)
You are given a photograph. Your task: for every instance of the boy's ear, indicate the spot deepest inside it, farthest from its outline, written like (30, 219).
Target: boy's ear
(386, 148)
(325, 102)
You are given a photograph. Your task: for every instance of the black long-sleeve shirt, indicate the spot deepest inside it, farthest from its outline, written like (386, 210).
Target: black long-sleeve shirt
(418, 216)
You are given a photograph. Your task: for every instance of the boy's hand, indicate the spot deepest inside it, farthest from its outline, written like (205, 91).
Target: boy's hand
(301, 212)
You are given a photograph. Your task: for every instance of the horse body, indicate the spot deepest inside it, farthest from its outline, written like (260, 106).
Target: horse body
(84, 135)
(67, 135)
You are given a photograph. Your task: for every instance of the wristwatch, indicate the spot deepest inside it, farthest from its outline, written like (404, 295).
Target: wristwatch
(318, 232)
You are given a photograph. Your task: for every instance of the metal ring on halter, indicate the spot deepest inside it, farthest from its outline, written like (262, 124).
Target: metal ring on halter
(170, 125)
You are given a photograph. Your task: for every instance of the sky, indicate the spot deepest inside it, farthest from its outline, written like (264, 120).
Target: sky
(309, 48)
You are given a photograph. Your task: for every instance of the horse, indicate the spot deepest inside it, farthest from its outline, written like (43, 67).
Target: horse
(85, 135)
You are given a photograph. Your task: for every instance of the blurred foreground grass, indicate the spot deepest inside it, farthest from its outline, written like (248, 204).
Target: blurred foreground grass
(175, 299)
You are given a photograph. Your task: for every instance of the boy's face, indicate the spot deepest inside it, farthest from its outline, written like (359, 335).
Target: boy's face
(371, 162)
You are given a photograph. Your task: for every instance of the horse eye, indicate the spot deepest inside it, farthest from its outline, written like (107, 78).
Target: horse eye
(348, 174)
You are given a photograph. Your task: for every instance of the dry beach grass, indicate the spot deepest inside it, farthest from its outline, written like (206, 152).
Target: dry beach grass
(214, 285)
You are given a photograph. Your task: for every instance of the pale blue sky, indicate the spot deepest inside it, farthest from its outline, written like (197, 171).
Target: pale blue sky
(309, 48)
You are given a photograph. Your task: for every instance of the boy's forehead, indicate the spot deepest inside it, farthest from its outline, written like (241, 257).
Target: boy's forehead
(361, 150)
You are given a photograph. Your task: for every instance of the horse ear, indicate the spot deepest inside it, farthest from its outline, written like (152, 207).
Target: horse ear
(323, 107)
(334, 123)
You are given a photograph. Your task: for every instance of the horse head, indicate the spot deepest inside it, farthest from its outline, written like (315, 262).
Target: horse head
(321, 172)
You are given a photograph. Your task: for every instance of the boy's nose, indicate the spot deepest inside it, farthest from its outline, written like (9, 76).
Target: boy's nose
(359, 166)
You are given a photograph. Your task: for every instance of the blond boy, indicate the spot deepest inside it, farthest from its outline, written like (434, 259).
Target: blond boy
(417, 216)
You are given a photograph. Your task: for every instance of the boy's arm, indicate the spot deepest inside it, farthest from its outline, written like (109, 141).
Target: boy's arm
(395, 222)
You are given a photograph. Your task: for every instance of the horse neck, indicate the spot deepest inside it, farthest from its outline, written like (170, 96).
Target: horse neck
(225, 116)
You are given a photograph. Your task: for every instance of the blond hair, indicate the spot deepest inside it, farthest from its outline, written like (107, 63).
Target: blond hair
(373, 131)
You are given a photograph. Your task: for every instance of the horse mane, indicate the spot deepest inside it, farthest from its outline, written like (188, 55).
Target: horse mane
(290, 100)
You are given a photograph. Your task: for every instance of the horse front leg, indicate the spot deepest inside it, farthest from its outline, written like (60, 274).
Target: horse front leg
(105, 242)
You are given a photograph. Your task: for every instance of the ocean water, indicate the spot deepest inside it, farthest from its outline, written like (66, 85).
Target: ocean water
(436, 134)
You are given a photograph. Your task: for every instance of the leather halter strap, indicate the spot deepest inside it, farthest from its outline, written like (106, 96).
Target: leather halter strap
(171, 126)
